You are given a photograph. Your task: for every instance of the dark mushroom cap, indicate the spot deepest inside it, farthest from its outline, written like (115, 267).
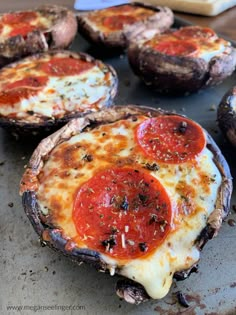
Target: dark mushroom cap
(226, 115)
(179, 74)
(161, 20)
(59, 36)
(43, 125)
(52, 236)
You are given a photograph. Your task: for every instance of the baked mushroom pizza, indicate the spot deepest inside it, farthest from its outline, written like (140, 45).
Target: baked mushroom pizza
(44, 91)
(132, 190)
(24, 33)
(114, 26)
(183, 60)
(226, 115)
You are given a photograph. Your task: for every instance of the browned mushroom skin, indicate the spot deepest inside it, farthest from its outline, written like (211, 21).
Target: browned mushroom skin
(59, 36)
(160, 21)
(226, 115)
(179, 75)
(46, 125)
(52, 236)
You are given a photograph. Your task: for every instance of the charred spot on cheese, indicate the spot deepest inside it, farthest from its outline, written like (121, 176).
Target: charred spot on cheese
(88, 157)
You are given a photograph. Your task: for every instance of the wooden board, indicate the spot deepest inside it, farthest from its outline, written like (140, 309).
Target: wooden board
(202, 7)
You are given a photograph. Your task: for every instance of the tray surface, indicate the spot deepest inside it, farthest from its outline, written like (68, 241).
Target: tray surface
(32, 276)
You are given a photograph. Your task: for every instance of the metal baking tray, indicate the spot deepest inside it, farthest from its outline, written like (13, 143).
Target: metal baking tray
(36, 279)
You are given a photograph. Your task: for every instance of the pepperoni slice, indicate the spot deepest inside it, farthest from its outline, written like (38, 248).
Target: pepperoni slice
(182, 48)
(65, 66)
(117, 22)
(195, 32)
(123, 212)
(14, 96)
(28, 82)
(1, 28)
(22, 29)
(19, 17)
(21, 89)
(170, 139)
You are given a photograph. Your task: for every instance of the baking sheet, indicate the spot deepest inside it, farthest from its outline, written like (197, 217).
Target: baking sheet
(38, 280)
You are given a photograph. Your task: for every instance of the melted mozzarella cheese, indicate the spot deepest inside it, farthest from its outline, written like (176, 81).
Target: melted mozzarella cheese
(207, 53)
(63, 95)
(178, 251)
(65, 171)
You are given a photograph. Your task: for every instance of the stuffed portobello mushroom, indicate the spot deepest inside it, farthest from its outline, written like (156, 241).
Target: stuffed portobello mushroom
(183, 60)
(40, 93)
(113, 27)
(134, 191)
(32, 31)
(226, 115)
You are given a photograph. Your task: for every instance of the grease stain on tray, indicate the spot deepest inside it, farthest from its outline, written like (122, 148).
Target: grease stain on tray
(192, 300)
